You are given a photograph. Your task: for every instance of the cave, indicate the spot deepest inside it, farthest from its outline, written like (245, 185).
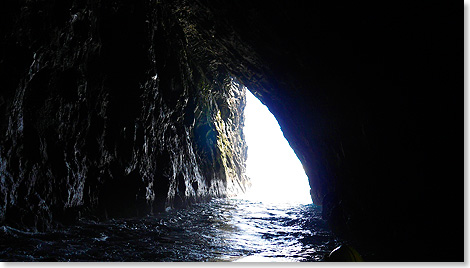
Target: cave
(270, 160)
(116, 109)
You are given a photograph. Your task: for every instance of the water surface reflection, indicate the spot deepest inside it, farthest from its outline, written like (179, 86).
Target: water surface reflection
(221, 230)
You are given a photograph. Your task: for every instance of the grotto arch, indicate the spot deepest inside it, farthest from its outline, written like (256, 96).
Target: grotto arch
(271, 160)
(102, 95)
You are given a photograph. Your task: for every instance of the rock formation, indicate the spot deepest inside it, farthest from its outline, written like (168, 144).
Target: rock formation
(107, 113)
(118, 108)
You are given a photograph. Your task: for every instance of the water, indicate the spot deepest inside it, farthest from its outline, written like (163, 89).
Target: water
(221, 230)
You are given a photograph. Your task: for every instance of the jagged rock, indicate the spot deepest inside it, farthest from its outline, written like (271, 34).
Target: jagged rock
(119, 108)
(109, 115)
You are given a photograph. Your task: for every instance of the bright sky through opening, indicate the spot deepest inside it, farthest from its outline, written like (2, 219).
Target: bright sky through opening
(275, 171)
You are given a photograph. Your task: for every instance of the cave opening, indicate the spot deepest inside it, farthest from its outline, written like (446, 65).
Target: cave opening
(271, 161)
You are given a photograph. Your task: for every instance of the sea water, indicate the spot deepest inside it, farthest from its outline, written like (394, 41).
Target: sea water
(220, 230)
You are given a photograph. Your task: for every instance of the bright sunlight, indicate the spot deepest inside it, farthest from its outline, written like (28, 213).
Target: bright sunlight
(275, 171)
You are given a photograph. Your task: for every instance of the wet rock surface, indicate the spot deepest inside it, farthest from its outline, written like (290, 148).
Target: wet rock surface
(104, 115)
(121, 108)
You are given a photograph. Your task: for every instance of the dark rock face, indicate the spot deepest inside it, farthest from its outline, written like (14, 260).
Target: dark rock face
(119, 108)
(105, 113)
(357, 92)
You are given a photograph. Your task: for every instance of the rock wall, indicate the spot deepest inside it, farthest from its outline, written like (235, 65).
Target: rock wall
(106, 113)
(119, 107)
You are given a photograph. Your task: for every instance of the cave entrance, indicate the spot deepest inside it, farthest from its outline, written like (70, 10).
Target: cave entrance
(276, 174)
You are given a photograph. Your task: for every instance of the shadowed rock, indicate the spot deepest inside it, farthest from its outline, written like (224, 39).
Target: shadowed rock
(122, 108)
